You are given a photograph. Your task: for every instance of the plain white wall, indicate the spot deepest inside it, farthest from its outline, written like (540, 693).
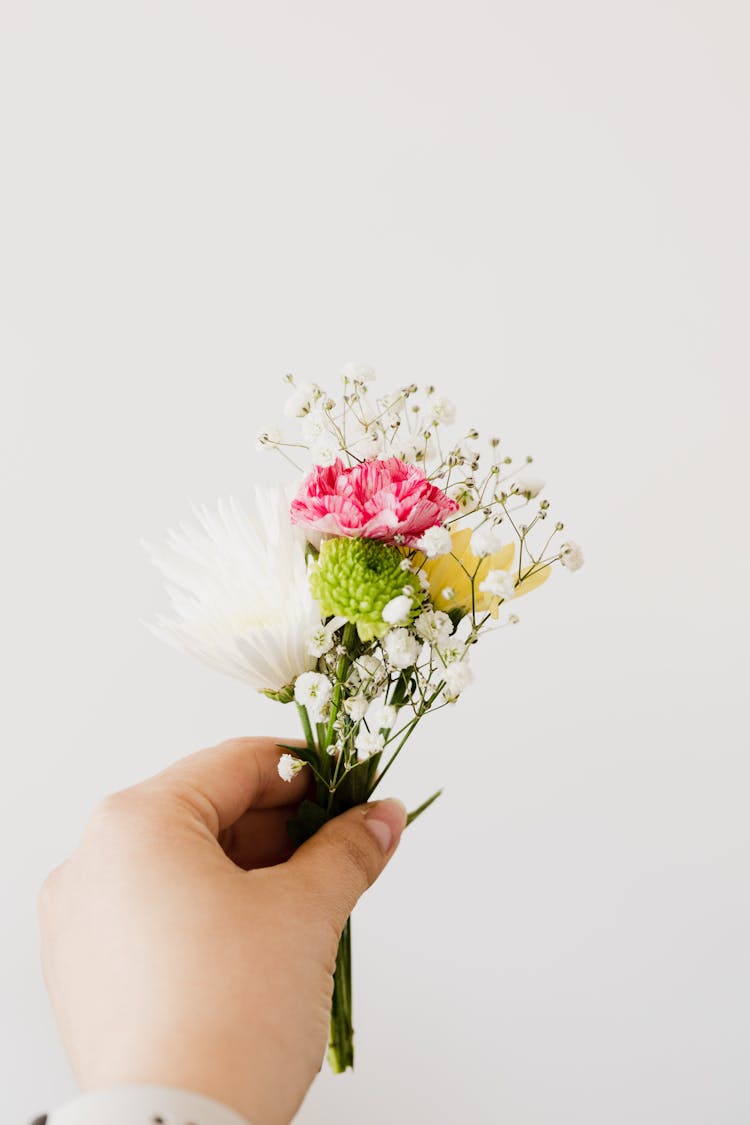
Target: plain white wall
(543, 209)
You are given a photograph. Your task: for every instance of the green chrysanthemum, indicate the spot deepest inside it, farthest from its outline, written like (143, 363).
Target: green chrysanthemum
(357, 578)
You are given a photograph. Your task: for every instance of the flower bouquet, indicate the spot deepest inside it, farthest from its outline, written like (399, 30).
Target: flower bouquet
(359, 594)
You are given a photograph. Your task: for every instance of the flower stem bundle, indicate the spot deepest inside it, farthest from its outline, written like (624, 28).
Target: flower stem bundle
(360, 597)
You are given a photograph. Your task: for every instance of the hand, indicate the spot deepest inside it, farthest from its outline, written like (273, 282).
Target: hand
(183, 944)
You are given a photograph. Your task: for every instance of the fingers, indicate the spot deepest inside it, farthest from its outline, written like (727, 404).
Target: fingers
(346, 856)
(221, 783)
(259, 838)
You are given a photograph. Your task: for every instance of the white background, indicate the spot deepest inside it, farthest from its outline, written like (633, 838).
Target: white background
(542, 208)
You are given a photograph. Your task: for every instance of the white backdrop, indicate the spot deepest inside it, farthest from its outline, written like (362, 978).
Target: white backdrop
(542, 208)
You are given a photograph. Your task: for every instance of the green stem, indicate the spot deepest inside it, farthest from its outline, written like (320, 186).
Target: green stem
(306, 728)
(341, 1041)
(342, 671)
(408, 729)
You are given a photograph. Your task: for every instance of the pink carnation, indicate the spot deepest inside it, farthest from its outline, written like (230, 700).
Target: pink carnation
(374, 500)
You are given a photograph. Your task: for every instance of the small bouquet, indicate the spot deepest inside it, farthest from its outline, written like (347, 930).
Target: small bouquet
(359, 594)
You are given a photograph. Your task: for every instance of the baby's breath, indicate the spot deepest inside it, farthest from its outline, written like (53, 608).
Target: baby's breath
(405, 652)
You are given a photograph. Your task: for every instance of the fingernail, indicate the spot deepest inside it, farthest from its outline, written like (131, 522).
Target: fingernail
(386, 821)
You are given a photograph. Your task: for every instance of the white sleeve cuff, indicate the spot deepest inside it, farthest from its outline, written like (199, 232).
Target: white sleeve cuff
(144, 1105)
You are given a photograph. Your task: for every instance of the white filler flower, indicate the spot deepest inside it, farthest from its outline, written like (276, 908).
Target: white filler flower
(289, 766)
(435, 541)
(457, 677)
(367, 743)
(320, 641)
(499, 584)
(434, 626)
(269, 439)
(381, 715)
(362, 372)
(486, 540)
(314, 425)
(239, 591)
(401, 648)
(313, 690)
(529, 486)
(356, 707)
(571, 556)
(397, 610)
(441, 409)
(325, 450)
(300, 401)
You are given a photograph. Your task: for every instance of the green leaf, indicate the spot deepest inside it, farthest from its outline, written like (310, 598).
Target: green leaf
(425, 805)
(356, 784)
(310, 817)
(303, 752)
(456, 615)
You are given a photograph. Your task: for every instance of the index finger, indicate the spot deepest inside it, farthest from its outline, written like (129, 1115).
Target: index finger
(224, 781)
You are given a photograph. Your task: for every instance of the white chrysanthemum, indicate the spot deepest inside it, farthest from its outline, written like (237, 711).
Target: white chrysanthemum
(289, 766)
(367, 743)
(571, 556)
(529, 486)
(313, 690)
(239, 590)
(485, 540)
(456, 676)
(434, 626)
(401, 648)
(435, 541)
(381, 715)
(499, 584)
(397, 610)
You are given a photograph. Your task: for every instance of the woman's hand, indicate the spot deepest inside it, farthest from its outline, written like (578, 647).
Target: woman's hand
(184, 944)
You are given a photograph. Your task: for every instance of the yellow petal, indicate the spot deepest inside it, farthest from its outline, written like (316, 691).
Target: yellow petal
(531, 578)
(529, 581)
(455, 572)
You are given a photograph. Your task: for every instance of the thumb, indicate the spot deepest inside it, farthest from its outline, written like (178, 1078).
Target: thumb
(346, 855)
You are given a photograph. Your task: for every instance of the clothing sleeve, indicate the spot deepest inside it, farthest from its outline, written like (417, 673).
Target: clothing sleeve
(143, 1105)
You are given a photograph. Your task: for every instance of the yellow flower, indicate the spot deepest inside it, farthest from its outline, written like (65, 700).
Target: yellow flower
(450, 584)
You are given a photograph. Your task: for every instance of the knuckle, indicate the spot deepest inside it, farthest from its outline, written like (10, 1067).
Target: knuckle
(115, 805)
(198, 805)
(128, 815)
(244, 742)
